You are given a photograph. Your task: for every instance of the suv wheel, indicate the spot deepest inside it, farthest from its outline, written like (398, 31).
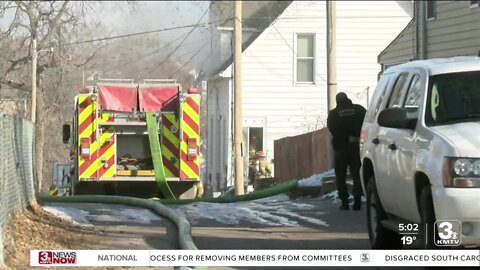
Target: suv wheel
(427, 217)
(380, 237)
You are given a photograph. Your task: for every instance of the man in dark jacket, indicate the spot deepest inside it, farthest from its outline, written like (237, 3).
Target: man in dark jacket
(345, 123)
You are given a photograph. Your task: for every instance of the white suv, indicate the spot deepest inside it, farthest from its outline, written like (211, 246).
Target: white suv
(420, 152)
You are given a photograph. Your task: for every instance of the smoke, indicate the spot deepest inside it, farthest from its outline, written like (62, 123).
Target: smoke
(189, 48)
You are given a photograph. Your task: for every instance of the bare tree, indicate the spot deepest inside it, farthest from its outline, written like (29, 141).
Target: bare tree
(70, 28)
(53, 24)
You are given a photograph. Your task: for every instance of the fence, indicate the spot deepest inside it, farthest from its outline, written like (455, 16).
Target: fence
(16, 168)
(303, 155)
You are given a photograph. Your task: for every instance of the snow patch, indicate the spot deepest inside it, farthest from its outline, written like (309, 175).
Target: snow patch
(103, 214)
(332, 196)
(315, 180)
(75, 216)
(276, 211)
(307, 219)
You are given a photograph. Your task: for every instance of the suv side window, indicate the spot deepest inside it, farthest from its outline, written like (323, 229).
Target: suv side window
(414, 95)
(398, 91)
(378, 97)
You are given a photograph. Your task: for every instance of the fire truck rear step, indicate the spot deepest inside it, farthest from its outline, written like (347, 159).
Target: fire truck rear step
(134, 179)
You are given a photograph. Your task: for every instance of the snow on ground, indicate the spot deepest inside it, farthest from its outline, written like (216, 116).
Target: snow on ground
(103, 213)
(332, 196)
(272, 211)
(316, 179)
(75, 216)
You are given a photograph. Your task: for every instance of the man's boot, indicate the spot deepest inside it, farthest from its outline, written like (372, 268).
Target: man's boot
(344, 205)
(357, 203)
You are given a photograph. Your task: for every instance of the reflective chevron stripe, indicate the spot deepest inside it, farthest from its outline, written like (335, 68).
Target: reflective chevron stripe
(102, 149)
(170, 145)
(190, 169)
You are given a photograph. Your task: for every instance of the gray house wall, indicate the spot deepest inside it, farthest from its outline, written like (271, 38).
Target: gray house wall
(453, 32)
(402, 48)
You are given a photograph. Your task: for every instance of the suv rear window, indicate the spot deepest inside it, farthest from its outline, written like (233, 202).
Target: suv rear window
(453, 98)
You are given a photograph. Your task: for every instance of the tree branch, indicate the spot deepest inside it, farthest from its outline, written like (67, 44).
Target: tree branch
(54, 25)
(14, 64)
(16, 85)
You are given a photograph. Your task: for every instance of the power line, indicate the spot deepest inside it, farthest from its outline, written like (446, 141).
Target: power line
(115, 64)
(171, 54)
(188, 61)
(142, 33)
(152, 67)
(150, 53)
(189, 33)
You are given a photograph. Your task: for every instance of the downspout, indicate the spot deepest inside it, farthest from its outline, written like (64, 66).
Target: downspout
(422, 30)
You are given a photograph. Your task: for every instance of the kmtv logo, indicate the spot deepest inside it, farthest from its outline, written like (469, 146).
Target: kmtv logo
(448, 233)
(57, 257)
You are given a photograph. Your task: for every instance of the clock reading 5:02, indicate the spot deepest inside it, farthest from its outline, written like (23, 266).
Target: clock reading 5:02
(409, 227)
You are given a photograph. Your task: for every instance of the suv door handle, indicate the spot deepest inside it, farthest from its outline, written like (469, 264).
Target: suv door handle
(376, 141)
(392, 147)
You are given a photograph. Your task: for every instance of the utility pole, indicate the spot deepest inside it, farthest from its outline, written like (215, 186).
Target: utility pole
(238, 99)
(331, 54)
(34, 80)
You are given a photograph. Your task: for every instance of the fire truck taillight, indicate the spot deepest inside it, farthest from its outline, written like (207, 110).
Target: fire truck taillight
(85, 148)
(192, 149)
(84, 90)
(193, 90)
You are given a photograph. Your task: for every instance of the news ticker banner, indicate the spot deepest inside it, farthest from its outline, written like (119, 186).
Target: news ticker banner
(51, 258)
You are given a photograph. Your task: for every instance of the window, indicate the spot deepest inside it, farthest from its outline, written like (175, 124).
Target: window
(305, 58)
(430, 9)
(473, 3)
(397, 92)
(414, 97)
(453, 98)
(378, 97)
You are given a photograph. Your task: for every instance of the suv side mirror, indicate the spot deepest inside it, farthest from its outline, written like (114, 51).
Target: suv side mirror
(66, 133)
(396, 118)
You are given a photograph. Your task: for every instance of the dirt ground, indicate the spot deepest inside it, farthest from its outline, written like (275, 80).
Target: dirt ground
(34, 228)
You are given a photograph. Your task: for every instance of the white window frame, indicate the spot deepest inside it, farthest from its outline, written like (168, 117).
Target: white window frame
(434, 10)
(474, 5)
(295, 58)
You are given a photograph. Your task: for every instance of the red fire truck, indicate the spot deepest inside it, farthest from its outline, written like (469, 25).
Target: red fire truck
(129, 138)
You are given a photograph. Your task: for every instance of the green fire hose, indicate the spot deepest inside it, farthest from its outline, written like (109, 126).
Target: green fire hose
(269, 192)
(157, 156)
(184, 227)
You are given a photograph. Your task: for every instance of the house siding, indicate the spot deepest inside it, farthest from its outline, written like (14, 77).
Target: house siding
(270, 93)
(454, 31)
(402, 49)
(269, 89)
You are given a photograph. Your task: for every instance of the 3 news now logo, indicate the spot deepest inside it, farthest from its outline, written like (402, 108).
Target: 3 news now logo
(448, 233)
(57, 257)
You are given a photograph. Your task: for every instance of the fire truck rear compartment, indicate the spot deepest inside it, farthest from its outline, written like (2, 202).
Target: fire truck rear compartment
(134, 169)
(134, 156)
